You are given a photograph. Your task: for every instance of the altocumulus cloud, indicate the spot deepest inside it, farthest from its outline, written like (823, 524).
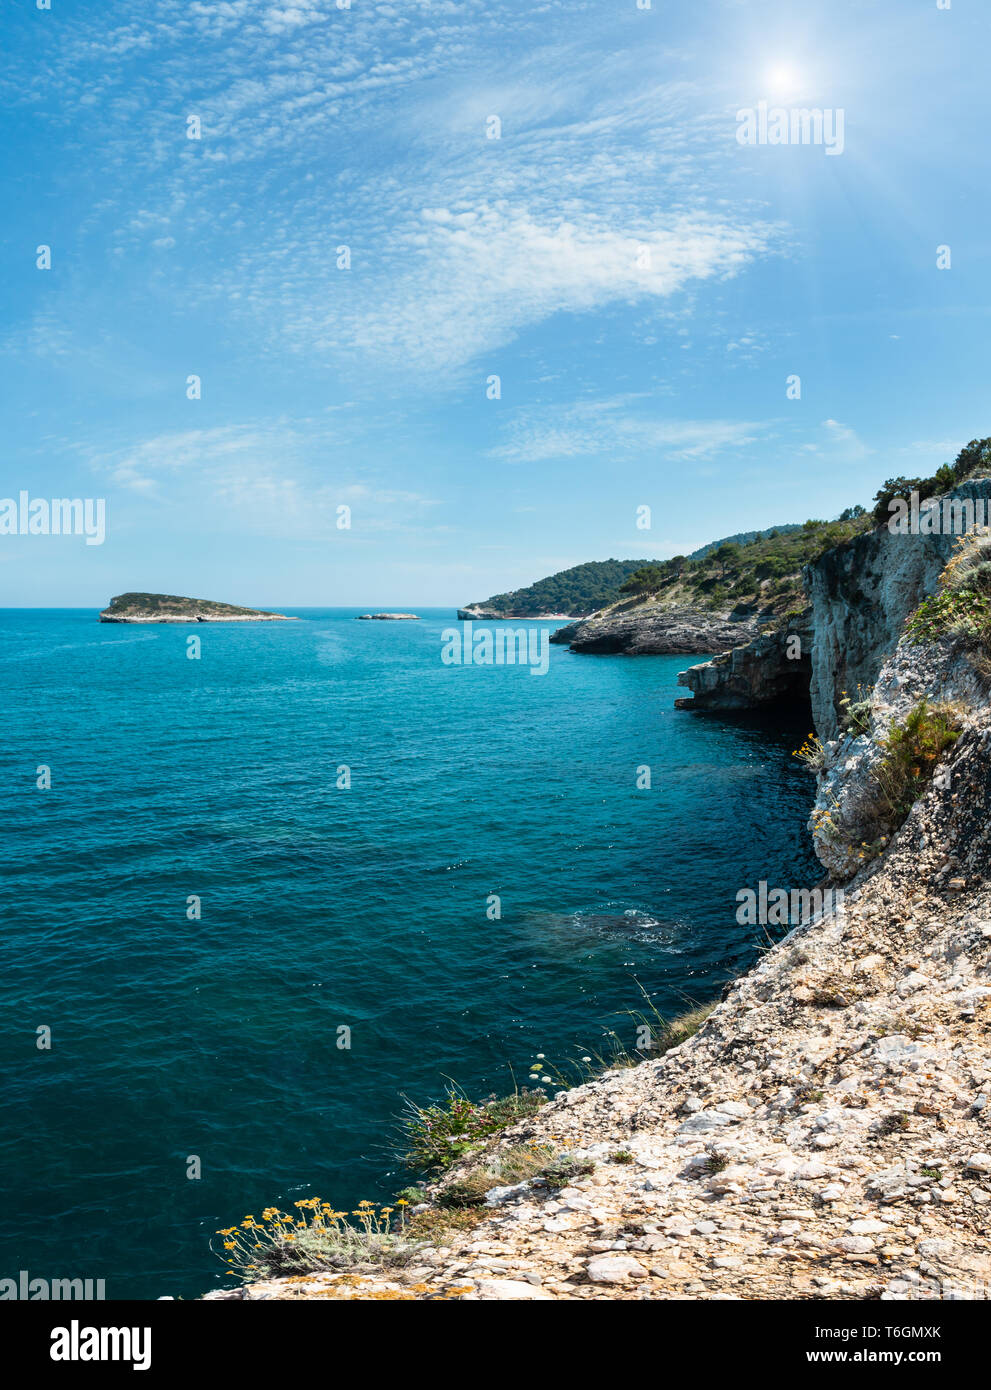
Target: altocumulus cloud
(614, 427)
(364, 127)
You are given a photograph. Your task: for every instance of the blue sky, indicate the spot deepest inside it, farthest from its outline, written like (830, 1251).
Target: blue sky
(622, 383)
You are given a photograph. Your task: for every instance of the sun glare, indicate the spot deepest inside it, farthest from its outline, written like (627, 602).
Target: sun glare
(783, 81)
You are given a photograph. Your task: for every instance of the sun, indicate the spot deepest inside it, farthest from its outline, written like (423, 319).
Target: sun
(784, 80)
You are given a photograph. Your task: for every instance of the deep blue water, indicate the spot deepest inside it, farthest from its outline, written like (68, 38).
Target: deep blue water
(322, 907)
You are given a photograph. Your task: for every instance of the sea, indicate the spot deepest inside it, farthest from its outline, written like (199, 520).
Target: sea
(258, 901)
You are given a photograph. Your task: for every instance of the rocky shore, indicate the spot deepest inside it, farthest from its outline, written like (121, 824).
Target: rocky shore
(774, 667)
(645, 628)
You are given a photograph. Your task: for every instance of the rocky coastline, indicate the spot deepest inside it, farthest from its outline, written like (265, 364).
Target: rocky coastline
(644, 628)
(482, 613)
(859, 596)
(775, 667)
(826, 1133)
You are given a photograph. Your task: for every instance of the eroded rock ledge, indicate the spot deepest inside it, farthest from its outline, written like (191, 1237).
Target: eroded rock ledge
(775, 667)
(636, 628)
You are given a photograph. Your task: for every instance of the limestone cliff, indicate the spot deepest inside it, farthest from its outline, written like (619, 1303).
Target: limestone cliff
(774, 667)
(861, 593)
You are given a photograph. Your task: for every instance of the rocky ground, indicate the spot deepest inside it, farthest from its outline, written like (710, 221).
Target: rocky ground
(825, 1135)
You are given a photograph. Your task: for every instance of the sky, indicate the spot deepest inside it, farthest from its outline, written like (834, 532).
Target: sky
(491, 274)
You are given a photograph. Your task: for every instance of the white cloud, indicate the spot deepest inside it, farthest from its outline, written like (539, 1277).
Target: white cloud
(846, 440)
(615, 428)
(259, 477)
(365, 127)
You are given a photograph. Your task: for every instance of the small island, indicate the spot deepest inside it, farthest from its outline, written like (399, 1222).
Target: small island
(387, 617)
(170, 608)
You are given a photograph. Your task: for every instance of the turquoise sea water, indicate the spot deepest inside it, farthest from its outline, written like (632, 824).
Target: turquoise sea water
(323, 907)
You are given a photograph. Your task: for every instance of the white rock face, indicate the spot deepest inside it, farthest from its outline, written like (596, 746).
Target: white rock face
(847, 818)
(861, 595)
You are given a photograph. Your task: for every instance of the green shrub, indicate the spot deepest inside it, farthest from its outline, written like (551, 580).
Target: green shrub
(961, 610)
(961, 613)
(912, 751)
(437, 1136)
(974, 458)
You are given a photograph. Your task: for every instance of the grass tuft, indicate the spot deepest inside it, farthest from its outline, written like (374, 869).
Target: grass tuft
(438, 1136)
(912, 752)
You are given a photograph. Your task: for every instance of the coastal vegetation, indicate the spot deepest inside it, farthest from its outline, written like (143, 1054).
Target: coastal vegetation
(911, 752)
(454, 1133)
(894, 777)
(575, 592)
(744, 538)
(961, 609)
(317, 1236)
(764, 573)
(855, 713)
(973, 459)
(439, 1135)
(584, 589)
